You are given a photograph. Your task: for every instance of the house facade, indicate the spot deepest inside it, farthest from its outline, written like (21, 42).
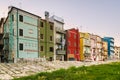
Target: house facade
(93, 40)
(20, 35)
(46, 39)
(73, 44)
(110, 41)
(59, 38)
(99, 48)
(117, 52)
(85, 46)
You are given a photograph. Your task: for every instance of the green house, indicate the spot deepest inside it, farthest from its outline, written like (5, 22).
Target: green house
(20, 35)
(46, 39)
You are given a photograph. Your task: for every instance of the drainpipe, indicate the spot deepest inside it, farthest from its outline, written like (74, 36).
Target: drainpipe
(46, 24)
(38, 29)
(54, 32)
(17, 41)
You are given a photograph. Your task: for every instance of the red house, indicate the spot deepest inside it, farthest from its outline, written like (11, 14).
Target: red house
(72, 44)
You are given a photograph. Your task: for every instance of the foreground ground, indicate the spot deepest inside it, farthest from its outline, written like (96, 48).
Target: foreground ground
(14, 70)
(95, 72)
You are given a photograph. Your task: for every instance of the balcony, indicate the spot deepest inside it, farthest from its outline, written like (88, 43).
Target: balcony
(59, 30)
(111, 44)
(61, 52)
(58, 40)
(87, 43)
(112, 40)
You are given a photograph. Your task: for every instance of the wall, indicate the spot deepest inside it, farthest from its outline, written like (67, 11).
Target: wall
(29, 38)
(46, 43)
(73, 45)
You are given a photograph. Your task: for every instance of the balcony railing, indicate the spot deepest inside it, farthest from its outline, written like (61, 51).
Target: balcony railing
(59, 30)
(112, 40)
(87, 43)
(58, 40)
(61, 52)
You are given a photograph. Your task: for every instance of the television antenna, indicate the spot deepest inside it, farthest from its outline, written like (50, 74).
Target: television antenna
(20, 5)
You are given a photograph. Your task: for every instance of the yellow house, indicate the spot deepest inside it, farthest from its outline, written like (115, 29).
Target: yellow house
(84, 46)
(105, 50)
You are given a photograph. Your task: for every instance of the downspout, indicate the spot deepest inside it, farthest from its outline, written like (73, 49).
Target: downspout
(17, 37)
(46, 24)
(38, 29)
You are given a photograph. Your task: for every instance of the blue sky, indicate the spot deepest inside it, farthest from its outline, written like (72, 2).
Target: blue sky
(101, 17)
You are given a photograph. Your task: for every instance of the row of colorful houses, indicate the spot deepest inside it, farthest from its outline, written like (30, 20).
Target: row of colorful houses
(26, 35)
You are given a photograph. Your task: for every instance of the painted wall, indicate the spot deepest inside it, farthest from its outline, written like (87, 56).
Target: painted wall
(81, 50)
(29, 38)
(85, 50)
(117, 52)
(73, 45)
(45, 42)
(110, 41)
(59, 51)
(99, 48)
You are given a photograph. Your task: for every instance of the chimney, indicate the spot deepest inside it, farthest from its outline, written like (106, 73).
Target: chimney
(9, 8)
(47, 15)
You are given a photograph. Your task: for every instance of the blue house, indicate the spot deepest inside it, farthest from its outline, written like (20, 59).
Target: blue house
(110, 41)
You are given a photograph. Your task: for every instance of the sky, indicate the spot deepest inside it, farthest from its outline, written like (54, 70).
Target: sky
(101, 17)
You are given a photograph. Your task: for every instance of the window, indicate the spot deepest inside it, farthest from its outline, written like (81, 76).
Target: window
(20, 46)
(12, 17)
(51, 27)
(74, 36)
(13, 32)
(51, 38)
(51, 49)
(41, 24)
(41, 48)
(20, 32)
(41, 36)
(20, 18)
(68, 51)
(75, 44)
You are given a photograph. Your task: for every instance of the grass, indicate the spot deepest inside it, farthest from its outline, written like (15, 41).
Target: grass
(96, 72)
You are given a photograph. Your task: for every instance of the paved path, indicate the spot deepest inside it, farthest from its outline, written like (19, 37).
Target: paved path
(10, 70)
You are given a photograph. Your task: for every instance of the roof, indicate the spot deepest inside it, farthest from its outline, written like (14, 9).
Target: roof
(12, 7)
(58, 19)
(108, 38)
(48, 21)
